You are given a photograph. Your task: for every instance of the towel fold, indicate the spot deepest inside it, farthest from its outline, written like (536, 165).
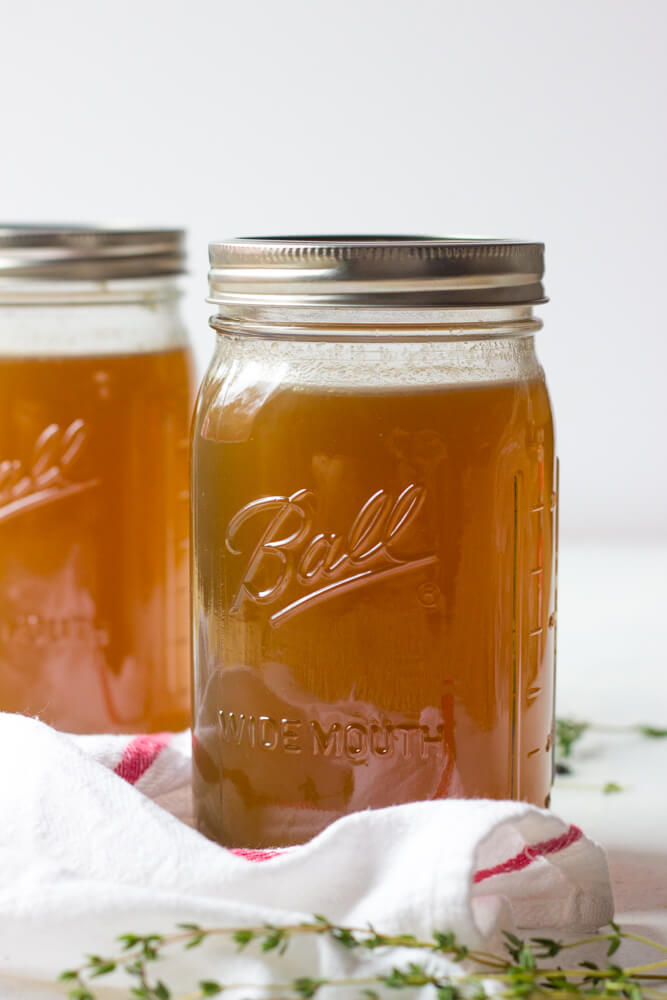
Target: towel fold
(96, 841)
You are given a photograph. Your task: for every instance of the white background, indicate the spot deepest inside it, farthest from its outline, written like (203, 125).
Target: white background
(537, 120)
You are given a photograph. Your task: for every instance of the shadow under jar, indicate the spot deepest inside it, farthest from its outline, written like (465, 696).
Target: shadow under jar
(374, 533)
(96, 389)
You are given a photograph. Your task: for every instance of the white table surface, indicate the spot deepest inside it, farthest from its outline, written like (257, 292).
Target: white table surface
(612, 670)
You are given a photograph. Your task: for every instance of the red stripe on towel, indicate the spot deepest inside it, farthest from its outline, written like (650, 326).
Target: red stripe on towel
(256, 855)
(515, 864)
(139, 754)
(530, 853)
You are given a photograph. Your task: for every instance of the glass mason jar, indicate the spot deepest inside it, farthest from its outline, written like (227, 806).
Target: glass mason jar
(96, 386)
(374, 533)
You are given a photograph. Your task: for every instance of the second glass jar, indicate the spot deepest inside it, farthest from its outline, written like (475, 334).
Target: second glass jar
(96, 388)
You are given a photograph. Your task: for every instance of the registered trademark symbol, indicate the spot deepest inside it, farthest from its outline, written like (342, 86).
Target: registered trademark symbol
(428, 594)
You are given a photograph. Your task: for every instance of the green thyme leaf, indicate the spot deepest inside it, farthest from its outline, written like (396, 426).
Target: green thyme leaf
(243, 938)
(568, 733)
(344, 937)
(614, 945)
(209, 988)
(549, 947)
(195, 941)
(128, 940)
(102, 969)
(275, 938)
(652, 732)
(307, 987)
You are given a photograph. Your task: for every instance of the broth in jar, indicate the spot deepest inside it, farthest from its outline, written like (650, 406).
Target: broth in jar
(94, 540)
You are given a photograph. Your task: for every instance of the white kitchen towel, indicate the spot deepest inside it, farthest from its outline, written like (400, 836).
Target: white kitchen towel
(95, 842)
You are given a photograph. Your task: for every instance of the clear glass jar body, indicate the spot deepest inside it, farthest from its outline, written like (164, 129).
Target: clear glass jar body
(374, 580)
(96, 388)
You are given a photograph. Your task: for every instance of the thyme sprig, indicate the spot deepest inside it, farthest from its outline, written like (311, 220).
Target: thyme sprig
(520, 973)
(569, 732)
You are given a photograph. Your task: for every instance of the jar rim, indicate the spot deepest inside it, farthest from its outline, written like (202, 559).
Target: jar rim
(373, 324)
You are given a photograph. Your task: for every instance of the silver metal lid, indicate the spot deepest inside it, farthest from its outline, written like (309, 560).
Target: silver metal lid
(376, 271)
(89, 253)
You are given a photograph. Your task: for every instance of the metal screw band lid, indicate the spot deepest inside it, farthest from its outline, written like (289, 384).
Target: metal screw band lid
(376, 271)
(89, 253)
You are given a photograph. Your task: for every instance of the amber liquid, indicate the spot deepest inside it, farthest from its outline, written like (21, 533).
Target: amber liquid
(374, 603)
(94, 540)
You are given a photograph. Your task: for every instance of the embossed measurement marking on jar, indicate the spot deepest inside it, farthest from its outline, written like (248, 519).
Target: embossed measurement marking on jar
(529, 642)
(178, 637)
